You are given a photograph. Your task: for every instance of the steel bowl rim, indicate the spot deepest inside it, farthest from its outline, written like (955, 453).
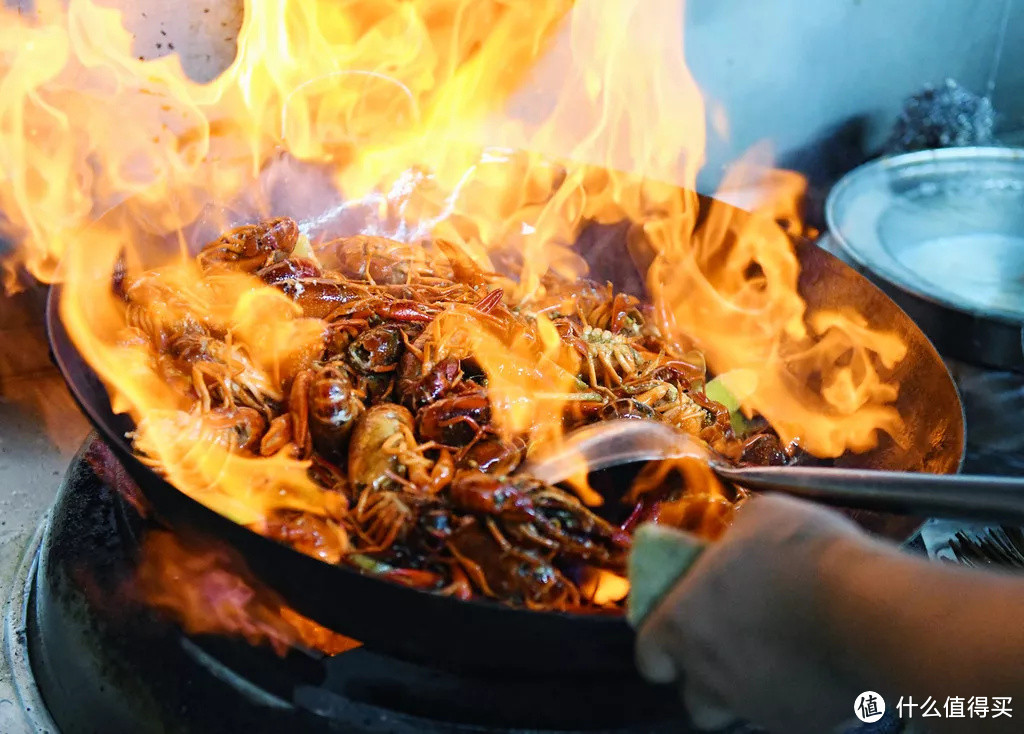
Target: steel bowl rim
(906, 160)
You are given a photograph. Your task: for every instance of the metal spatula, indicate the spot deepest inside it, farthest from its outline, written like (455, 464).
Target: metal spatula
(612, 443)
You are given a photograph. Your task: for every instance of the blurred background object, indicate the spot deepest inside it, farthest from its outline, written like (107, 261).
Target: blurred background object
(943, 117)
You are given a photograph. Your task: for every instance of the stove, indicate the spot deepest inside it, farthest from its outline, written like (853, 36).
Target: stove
(82, 651)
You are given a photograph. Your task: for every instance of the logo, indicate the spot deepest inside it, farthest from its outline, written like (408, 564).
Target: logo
(869, 707)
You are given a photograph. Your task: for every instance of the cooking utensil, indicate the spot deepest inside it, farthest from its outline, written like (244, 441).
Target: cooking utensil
(942, 233)
(481, 635)
(616, 442)
(1000, 546)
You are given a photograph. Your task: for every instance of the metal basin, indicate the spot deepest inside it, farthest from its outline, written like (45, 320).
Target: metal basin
(942, 231)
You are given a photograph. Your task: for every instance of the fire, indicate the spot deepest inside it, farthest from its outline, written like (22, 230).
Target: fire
(506, 129)
(689, 496)
(207, 588)
(85, 123)
(208, 591)
(531, 374)
(741, 280)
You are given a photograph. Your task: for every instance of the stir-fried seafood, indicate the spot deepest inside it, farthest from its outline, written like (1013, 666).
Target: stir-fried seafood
(396, 416)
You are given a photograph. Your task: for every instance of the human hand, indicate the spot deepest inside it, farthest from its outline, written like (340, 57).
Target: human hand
(745, 630)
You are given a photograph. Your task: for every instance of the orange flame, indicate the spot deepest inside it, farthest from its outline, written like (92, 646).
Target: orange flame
(208, 591)
(691, 496)
(531, 373)
(84, 123)
(371, 116)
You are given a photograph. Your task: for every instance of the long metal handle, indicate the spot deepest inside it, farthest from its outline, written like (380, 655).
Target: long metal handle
(975, 497)
(986, 498)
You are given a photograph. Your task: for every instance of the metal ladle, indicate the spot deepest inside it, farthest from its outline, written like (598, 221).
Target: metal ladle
(622, 441)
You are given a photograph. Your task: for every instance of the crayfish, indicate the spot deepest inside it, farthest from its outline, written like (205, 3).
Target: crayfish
(395, 412)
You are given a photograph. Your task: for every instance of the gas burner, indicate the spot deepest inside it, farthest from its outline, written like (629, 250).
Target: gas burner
(87, 658)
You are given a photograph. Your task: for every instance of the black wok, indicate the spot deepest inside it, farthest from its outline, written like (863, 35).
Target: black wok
(480, 635)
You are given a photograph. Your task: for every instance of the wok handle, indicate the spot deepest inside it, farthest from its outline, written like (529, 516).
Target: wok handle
(973, 497)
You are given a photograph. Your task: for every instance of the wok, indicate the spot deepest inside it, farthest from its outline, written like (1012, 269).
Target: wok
(480, 635)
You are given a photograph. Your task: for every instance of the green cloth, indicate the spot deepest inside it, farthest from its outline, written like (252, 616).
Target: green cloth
(660, 557)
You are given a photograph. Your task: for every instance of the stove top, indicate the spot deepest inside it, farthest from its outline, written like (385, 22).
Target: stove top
(97, 655)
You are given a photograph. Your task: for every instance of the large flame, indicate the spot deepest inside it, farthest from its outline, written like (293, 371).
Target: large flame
(589, 115)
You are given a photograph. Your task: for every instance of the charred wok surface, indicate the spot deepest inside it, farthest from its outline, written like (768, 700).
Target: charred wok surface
(395, 416)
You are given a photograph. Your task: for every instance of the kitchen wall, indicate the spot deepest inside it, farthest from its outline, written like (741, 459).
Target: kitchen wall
(824, 79)
(1009, 89)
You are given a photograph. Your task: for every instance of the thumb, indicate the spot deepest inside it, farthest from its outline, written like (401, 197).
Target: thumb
(707, 711)
(653, 662)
